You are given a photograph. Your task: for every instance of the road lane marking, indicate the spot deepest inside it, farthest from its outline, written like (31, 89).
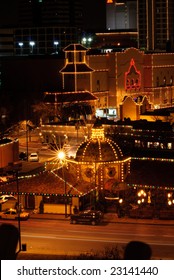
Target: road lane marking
(111, 233)
(92, 240)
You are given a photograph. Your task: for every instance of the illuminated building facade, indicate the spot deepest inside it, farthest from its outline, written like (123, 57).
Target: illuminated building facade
(155, 24)
(128, 84)
(146, 79)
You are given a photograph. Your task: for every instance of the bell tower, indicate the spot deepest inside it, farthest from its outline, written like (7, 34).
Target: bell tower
(77, 75)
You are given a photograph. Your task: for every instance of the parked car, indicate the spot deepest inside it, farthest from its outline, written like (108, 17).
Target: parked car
(23, 156)
(33, 157)
(4, 198)
(12, 214)
(87, 217)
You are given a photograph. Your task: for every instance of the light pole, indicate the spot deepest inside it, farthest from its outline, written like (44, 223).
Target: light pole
(61, 155)
(32, 44)
(18, 210)
(21, 47)
(27, 138)
(16, 167)
(56, 43)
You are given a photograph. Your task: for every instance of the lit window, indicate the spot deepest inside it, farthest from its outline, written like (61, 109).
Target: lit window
(169, 145)
(137, 143)
(150, 144)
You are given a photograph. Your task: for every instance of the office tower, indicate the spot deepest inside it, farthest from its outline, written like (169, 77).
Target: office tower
(155, 24)
(50, 12)
(121, 14)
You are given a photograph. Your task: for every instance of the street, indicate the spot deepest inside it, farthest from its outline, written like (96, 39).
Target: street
(63, 238)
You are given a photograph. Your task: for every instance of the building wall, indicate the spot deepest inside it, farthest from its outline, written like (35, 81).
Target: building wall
(155, 73)
(9, 153)
(155, 24)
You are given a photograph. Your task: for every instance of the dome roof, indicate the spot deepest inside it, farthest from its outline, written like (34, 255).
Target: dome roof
(98, 148)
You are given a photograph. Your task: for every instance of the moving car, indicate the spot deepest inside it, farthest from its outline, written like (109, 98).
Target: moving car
(33, 157)
(87, 217)
(12, 214)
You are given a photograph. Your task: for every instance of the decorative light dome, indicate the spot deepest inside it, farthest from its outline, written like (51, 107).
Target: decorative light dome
(98, 148)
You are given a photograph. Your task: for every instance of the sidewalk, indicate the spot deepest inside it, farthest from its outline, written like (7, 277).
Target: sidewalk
(108, 218)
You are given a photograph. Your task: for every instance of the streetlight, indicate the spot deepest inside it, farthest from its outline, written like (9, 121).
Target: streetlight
(61, 155)
(56, 43)
(21, 47)
(87, 41)
(32, 44)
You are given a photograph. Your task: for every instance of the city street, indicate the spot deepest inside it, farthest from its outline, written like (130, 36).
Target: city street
(62, 238)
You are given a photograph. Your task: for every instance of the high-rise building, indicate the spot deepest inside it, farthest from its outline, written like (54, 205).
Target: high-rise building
(121, 14)
(50, 12)
(155, 24)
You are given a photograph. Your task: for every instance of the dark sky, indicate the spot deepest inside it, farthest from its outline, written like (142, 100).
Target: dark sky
(94, 13)
(95, 16)
(8, 12)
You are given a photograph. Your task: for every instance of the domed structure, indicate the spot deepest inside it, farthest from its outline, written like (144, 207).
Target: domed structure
(100, 160)
(98, 148)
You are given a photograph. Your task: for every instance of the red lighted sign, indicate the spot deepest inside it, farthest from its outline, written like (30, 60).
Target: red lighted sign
(132, 77)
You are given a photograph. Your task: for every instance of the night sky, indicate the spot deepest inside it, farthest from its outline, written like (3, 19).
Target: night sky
(94, 14)
(8, 12)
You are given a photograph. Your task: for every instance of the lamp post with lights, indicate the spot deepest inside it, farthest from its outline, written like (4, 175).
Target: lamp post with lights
(32, 44)
(21, 47)
(61, 155)
(56, 43)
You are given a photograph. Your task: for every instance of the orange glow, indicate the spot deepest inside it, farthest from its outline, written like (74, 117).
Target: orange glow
(109, 1)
